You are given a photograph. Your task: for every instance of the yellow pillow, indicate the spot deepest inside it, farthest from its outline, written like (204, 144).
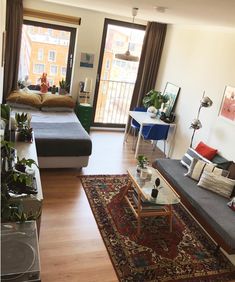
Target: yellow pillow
(51, 100)
(23, 98)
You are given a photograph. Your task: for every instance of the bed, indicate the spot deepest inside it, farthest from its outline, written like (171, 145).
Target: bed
(61, 141)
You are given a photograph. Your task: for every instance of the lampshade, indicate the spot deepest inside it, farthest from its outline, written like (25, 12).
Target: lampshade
(196, 124)
(87, 85)
(127, 57)
(206, 102)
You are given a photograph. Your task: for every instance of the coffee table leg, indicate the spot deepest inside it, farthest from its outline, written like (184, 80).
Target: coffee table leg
(128, 186)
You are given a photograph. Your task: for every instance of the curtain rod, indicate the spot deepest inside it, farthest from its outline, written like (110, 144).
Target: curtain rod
(51, 16)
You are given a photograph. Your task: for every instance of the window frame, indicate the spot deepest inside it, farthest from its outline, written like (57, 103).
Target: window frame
(48, 57)
(71, 49)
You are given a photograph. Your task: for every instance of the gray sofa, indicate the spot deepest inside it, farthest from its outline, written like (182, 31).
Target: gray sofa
(208, 208)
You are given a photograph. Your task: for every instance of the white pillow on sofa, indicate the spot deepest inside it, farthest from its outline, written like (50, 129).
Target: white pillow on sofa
(197, 167)
(190, 155)
(217, 183)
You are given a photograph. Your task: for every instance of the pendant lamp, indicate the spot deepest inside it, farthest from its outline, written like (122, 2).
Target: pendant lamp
(127, 55)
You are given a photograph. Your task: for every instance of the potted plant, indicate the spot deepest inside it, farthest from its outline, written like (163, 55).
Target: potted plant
(155, 99)
(63, 87)
(23, 163)
(142, 163)
(25, 134)
(21, 119)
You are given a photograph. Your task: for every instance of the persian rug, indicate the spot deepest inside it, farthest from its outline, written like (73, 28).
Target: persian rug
(185, 254)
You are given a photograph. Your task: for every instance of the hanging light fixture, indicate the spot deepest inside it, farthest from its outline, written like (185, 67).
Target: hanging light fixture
(127, 55)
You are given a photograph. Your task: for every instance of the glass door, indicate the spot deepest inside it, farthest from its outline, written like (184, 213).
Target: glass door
(116, 77)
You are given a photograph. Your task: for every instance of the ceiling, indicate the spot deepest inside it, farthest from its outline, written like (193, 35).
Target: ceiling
(219, 13)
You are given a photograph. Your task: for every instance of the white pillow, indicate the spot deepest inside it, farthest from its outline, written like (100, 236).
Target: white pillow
(217, 183)
(190, 155)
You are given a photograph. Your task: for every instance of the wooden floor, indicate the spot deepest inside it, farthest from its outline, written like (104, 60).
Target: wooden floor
(71, 248)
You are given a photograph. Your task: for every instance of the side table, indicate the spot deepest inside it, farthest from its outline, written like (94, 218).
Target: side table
(84, 113)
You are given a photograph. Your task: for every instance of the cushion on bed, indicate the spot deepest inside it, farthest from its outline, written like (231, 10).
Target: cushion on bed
(21, 99)
(49, 100)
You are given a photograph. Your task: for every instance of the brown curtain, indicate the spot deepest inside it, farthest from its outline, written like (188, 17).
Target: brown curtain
(149, 61)
(14, 22)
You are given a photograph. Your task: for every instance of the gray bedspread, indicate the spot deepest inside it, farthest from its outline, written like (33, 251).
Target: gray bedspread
(61, 139)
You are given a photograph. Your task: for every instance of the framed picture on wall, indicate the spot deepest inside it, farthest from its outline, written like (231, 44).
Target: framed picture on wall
(227, 108)
(87, 60)
(172, 91)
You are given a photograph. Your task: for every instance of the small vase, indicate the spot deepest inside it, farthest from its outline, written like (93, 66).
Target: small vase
(62, 91)
(143, 173)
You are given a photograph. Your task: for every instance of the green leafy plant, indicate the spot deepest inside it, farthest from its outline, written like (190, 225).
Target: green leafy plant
(12, 209)
(23, 163)
(142, 161)
(63, 84)
(25, 134)
(21, 119)
(154, 98)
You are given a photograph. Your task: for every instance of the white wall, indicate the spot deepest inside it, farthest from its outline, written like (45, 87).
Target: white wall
(196, 60)
(2, 29)
(89, 36)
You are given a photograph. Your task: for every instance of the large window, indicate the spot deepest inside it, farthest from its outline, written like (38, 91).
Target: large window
(46, 48)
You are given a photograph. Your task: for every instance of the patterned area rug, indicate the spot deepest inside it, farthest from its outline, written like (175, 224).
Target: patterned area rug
(186, 254)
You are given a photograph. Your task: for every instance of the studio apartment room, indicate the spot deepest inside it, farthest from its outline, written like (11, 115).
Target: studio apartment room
(117, 140)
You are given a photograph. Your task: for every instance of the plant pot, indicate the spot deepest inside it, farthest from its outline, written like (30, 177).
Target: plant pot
(20, 167)
(143, 173)
(62, 91)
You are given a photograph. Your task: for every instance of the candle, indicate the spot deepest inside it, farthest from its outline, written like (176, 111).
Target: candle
(87, 85)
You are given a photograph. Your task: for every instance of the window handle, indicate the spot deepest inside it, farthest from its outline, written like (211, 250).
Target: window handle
(71, 60)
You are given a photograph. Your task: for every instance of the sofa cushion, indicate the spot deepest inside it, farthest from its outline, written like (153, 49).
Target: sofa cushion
(217, 184)
(231, 204)
(210, 206)
(190, 155)
(221, 161)
(231, 170)
(197, 168)
(206, 151)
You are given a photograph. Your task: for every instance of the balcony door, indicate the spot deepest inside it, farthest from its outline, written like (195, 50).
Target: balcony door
(116, 78)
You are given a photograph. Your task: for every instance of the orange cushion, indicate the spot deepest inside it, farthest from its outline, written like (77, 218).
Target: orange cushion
(206, 151)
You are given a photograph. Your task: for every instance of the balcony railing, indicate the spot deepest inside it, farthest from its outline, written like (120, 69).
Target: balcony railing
(113, 102)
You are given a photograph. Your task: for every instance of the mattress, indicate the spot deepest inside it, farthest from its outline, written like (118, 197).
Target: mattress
(59, 134)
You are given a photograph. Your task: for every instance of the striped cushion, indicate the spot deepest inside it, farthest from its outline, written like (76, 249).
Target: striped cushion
(217, 183)
(189, 155)
(197, 167)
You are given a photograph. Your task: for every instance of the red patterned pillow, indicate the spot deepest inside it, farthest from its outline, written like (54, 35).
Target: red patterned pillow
(206, 151)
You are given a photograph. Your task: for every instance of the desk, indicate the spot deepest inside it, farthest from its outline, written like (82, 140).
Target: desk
(143, 118)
